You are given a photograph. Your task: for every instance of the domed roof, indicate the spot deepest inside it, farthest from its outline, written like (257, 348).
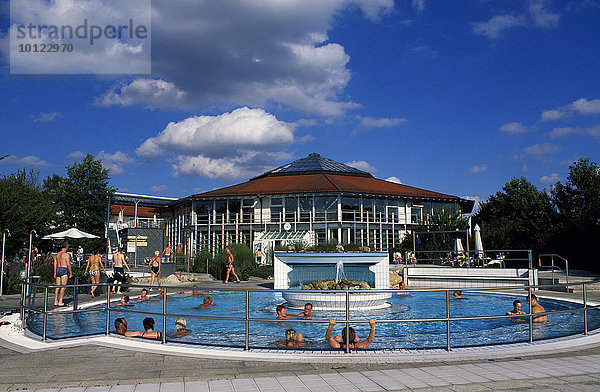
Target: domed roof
(315, 164)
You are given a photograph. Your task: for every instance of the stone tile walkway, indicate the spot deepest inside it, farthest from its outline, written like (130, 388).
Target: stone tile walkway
(567, 373)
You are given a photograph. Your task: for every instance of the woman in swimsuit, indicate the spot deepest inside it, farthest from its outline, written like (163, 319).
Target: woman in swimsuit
(154, 266)
(149, 327)
(93, 267)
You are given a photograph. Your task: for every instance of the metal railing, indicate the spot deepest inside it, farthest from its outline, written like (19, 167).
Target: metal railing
(552, 265)
(26, 306)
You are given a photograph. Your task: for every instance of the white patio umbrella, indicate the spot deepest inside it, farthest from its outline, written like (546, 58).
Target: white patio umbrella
(71, 233)
(478, 243)
(458, 247)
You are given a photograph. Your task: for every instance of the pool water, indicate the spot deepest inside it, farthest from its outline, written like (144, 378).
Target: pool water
(388, 335)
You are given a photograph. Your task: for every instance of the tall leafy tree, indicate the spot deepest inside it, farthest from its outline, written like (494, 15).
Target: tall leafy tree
(578, 205)
(23, 207)
(81, 197)
(517, 217)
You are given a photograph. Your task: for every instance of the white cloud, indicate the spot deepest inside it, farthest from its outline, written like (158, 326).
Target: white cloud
(306, 139)
(383, 122)
(476, 169)
(494, 27)
(536, 14)
(29, 161)
(554, 114)
(418, 5)
(152, 93)
(541, 16)
(46, 117)
(585, 107)
(229, 53)
(514, 128)
(593, 131)
(375, 9)
(222, 135)
(554, 177)
(394, 179)
(362, 165)
(540, 151)
(248, 164)
(114, 162)
(561, 132)
(236, 144)
(76, 155)
(582, 106)
(158, 188)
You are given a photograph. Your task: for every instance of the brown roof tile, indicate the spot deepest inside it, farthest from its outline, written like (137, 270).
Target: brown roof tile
(317, 183)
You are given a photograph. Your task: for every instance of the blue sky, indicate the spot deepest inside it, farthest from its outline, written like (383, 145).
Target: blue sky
(452, 96)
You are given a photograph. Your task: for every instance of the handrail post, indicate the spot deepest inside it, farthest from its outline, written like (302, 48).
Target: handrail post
(567, 276)
(447, 320)
(108, 291)
(347, 322)
(585, 320)
(247, 332)
(45, 313)
(23, 283)
(164, 334)
(530, 315)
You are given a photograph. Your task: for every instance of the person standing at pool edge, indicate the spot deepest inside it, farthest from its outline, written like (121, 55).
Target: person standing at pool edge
(119, 272)
(154, 266)
(62, 267)
(93, 266)
(230, 267)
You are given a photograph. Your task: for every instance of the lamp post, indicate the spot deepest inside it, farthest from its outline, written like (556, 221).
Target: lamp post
(2, 268)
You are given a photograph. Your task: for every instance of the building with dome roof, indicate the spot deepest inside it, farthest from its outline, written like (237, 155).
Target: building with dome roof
(313, 200)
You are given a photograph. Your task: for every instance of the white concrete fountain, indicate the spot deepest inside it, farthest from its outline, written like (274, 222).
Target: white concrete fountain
(292, 270)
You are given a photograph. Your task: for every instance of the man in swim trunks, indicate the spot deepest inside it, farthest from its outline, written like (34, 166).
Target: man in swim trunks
(351, 337)
(154, 266)
(119, 272)
(230, 267)
(121, 328)
(167, 253)
(93, 267)
(62, 272)
(307, 313)
(537, 308)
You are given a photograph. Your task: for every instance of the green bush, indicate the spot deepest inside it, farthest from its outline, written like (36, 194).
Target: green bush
(199, 262)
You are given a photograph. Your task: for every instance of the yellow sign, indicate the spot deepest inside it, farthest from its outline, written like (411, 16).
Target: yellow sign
(142, 240)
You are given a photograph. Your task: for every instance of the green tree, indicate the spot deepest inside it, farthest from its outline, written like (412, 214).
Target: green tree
(81, 197)
(517, 217)
(443, 220)
(578, 205)
(23, 207)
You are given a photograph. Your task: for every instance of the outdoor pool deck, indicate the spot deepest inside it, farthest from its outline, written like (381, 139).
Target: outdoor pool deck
(100, 366)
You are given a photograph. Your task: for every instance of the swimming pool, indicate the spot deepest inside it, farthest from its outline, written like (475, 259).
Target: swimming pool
(388, 335)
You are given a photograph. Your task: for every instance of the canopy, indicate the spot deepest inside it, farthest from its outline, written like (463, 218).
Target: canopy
(478, 243)
(71, 233)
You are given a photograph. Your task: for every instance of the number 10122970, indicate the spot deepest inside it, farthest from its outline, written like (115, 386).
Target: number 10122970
(45, 48)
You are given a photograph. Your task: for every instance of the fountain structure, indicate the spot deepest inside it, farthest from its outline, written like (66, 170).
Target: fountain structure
(295, 270)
